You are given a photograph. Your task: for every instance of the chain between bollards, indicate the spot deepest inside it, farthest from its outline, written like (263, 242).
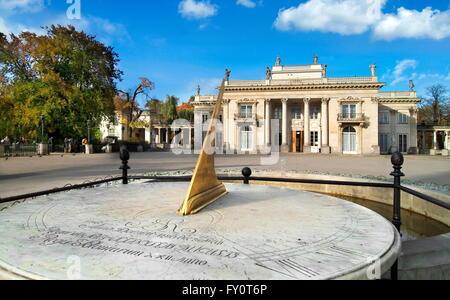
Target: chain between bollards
(397, 160)
(246, 172)
(124, 156)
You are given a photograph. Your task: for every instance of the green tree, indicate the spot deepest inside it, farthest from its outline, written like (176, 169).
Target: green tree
(186, 114)
(65, 75)
(169, 109)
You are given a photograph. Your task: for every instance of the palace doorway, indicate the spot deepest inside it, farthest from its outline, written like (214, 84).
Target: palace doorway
(298, 140)
(349, 145)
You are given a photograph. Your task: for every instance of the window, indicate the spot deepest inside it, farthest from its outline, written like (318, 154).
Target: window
(402, 119)
(246, 138)
(296, 113)
(314, 113)
(277, 113)
(384, 147)
(384, 118)
(314, 138)
(403, 143)
(246, 111)
(349, 111)
(205, 118)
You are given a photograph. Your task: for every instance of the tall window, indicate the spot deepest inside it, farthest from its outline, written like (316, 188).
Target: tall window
(296, 113)
(246, 111)
(384, 147)
(314, 113)
(205, 118)
(277, 113)
(349, 111)
(402, 118)
(403, 143)
(384, 118)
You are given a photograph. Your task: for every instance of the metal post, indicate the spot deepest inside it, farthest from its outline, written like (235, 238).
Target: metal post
(42, 129)
(89, 131)
(124, 156)
(246, 172)
(397, 162)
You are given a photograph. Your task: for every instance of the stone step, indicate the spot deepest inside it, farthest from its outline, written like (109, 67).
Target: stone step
(427, 258)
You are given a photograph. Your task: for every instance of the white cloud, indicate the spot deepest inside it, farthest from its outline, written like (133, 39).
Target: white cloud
(246, 3)
(348, 17)
(21, 5)
(400, 68)
(338, 16)
(7, 28)
(427, 23)
(192, 9)
(106, 31)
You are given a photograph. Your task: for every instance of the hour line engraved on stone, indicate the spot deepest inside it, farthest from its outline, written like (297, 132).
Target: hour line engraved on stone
(347, 251)
(302, 269)
(288, 268)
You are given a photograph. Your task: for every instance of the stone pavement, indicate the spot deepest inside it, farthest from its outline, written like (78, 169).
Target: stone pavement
(24, 175)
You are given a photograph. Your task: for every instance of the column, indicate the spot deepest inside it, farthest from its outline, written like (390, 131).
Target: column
(307, 133)
(435, 143)
(361, 129)
(325, 134)
(446, 140)
(225, 119)
(255, 139)
(424, 146)
(393, 121)
(167, 136)
(284, 145)
(158, 140)
(413, 136)
(267, 122)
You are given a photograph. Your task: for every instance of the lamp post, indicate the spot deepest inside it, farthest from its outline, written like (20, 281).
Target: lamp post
(89, 131)
(42, 117)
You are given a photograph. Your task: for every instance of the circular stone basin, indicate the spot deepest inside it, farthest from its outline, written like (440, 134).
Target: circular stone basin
(133, 232)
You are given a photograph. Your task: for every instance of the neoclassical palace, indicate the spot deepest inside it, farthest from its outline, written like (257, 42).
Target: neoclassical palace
(313, 113)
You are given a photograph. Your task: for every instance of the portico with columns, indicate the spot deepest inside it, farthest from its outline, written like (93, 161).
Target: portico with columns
(314, 113)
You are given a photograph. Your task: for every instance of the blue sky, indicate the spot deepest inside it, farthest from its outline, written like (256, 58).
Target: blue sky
(179, 44)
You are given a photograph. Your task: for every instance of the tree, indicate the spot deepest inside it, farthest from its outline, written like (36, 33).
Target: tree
(127, 103)
(186, 111)
(435, 108)
(169, 109)
(65, 75)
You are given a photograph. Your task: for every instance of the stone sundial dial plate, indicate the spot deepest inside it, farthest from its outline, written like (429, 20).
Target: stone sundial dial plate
(133, 232)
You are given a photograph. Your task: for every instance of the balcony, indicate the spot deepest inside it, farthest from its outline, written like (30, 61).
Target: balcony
(245, 117)
(351, 118)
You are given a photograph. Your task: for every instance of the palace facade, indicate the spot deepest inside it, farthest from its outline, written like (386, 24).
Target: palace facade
(314, 113)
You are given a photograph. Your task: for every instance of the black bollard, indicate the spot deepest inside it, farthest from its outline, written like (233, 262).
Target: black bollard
(246, 172)
(124, 156)
(397, 160)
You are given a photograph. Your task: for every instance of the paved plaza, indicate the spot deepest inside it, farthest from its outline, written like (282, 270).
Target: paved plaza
(23, 175)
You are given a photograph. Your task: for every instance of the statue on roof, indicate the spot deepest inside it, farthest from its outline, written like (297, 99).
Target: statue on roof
(411, 85)
(278, 61)
(324, 71)
(227, 74)
(373, 68)
(268, 74)
(315, 59)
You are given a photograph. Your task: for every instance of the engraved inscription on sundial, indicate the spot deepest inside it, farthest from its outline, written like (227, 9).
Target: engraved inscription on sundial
(119, 233)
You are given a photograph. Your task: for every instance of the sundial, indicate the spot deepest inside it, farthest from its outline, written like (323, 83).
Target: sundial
(221, 231)
(133, 232)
